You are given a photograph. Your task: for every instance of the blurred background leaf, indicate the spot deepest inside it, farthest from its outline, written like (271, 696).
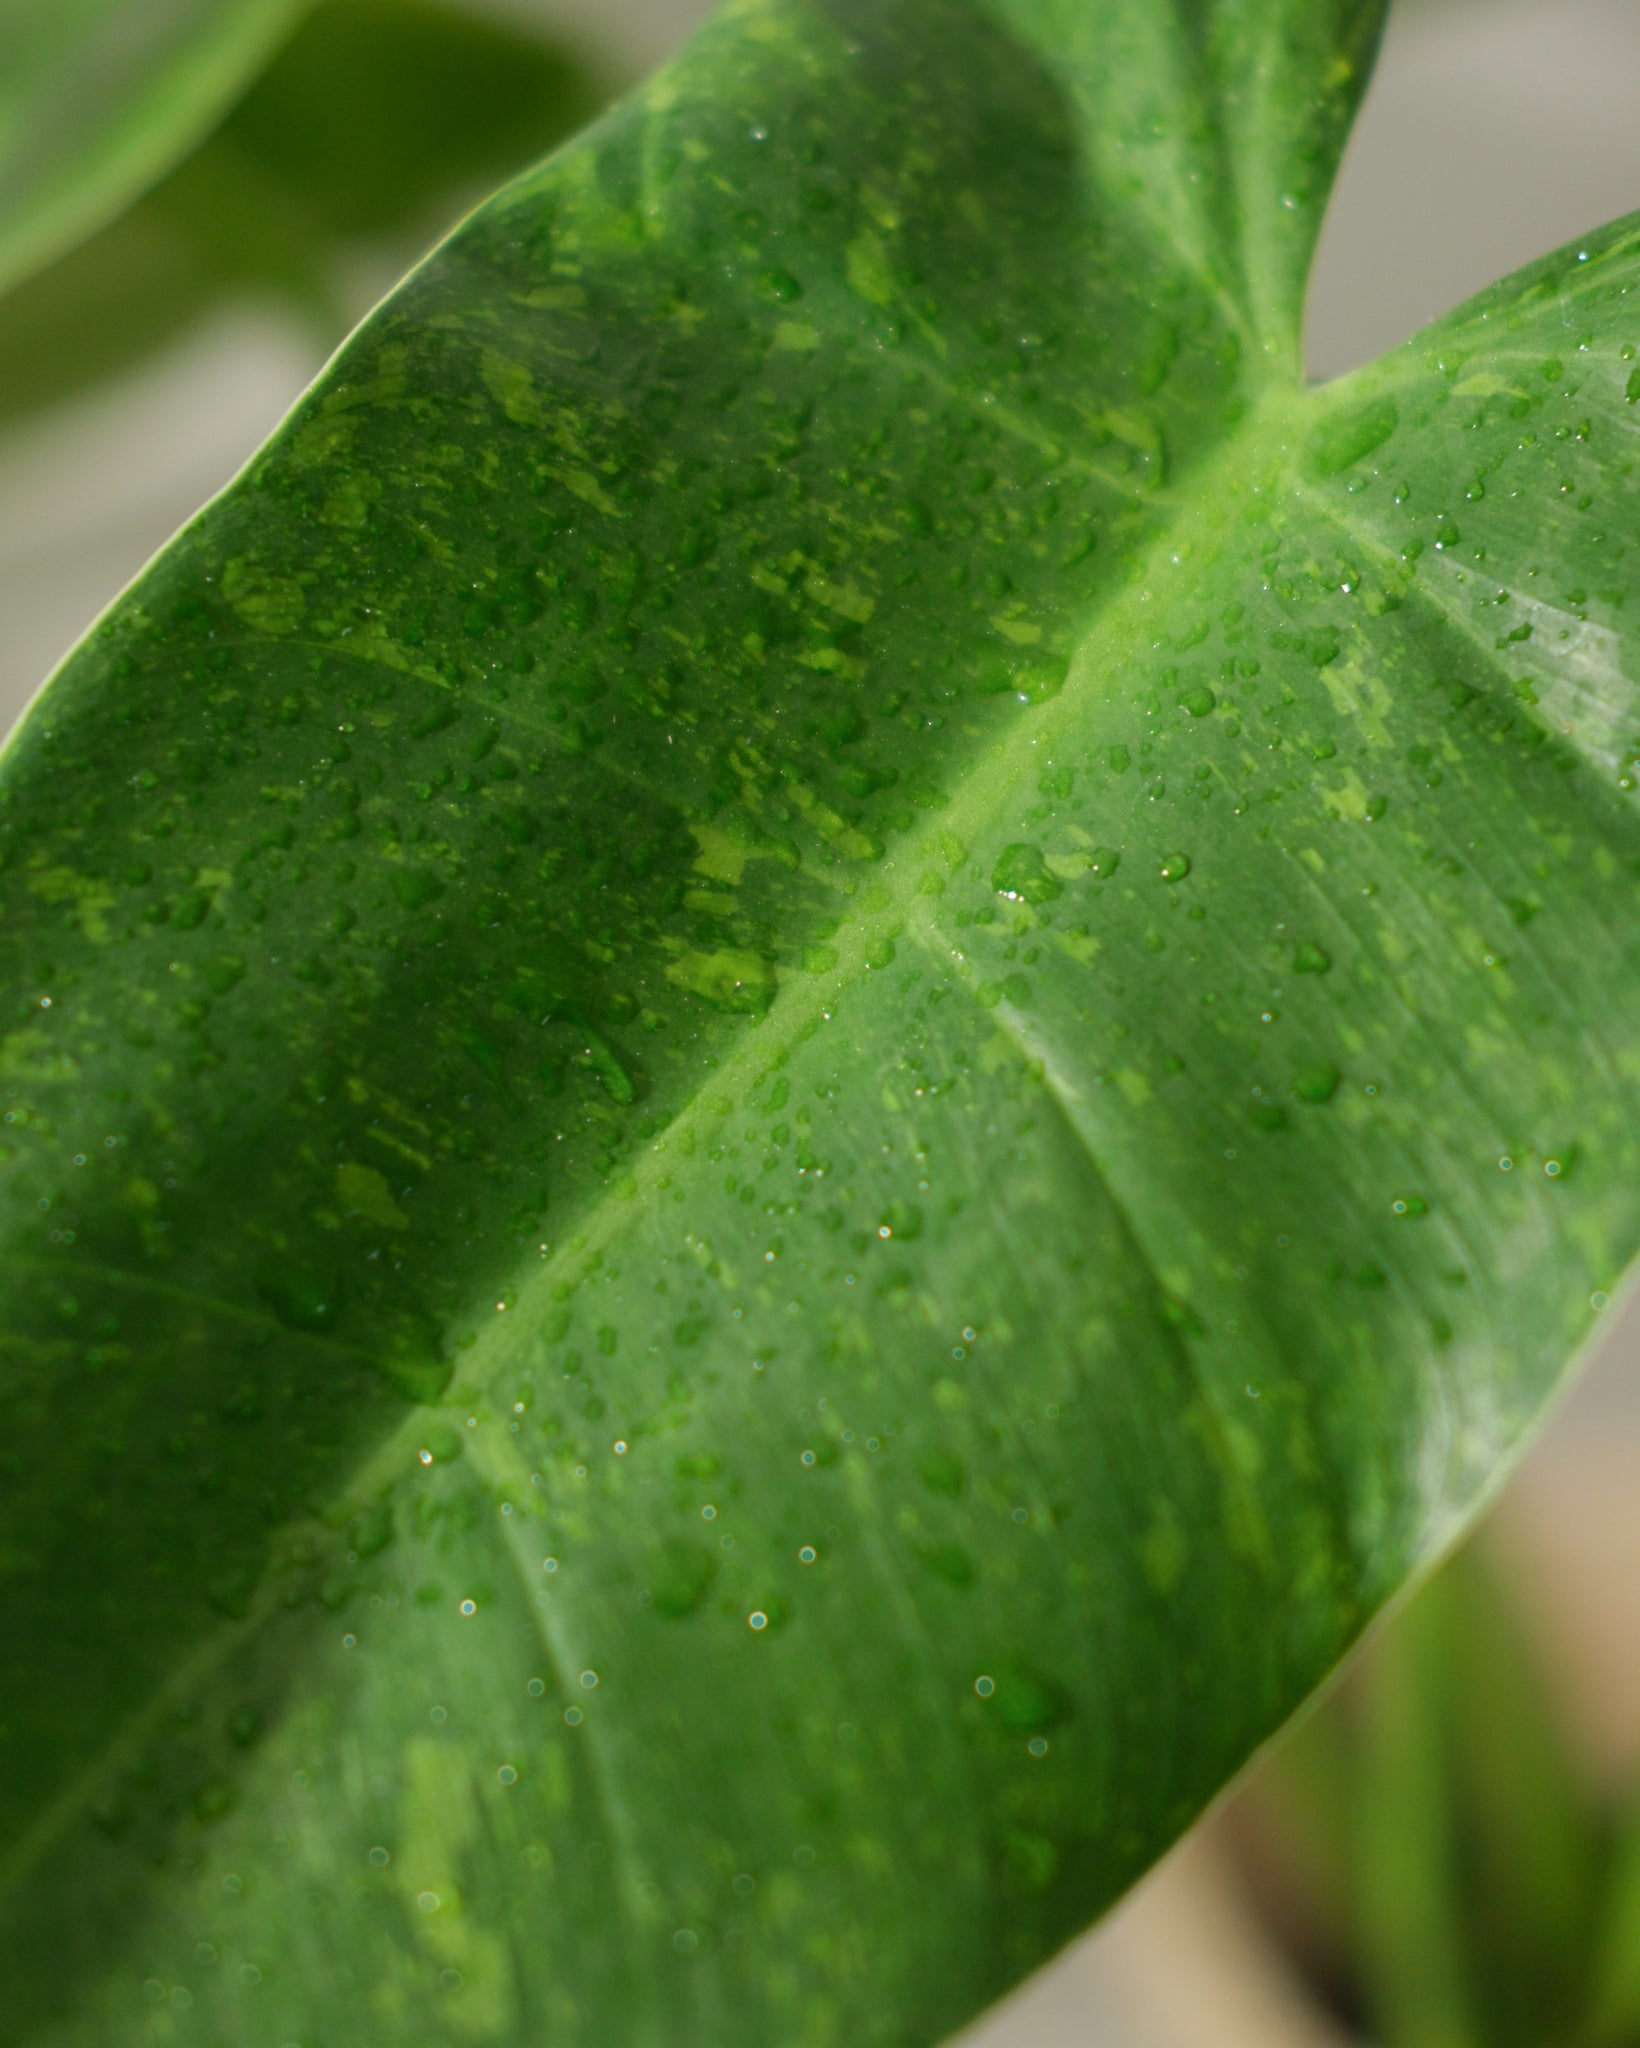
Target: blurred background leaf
(1435, 1852)
(369, 131)
(97, 97)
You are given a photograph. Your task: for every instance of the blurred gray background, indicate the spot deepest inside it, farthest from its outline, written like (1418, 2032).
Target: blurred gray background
(1496, 129)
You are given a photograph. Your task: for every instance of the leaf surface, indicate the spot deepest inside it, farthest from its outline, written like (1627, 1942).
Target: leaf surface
(99, 97)
(809, 1042)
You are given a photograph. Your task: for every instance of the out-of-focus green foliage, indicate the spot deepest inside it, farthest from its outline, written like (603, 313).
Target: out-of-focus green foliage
(98, 97)
(1434, 1846)
(373, 125)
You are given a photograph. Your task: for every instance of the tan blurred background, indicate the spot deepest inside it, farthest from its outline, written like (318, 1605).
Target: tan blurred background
(1496, 129)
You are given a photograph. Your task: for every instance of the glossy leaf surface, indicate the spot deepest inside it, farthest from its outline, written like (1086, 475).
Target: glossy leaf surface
(807, 1044)
(99, 97)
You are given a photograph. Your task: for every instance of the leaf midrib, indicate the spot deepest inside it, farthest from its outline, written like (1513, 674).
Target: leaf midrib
(1252, 454)
(807, 1000)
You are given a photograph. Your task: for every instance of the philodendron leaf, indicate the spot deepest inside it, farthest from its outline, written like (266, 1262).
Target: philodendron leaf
(98, 97)
(808, 1043)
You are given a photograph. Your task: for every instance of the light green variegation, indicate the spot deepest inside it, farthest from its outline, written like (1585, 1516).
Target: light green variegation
(808, 1044)
(99, 97)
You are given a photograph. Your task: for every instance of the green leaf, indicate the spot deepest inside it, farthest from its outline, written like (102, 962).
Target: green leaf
(99, 97)
(807, 1044)
(1531, 1821)
(1409, 1889)
(1614, 1979)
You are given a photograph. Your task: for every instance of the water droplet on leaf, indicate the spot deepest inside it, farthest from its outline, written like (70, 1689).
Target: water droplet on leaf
(1022, 874)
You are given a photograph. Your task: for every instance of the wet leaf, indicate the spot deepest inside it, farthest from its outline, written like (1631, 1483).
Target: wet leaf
(869, 867)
